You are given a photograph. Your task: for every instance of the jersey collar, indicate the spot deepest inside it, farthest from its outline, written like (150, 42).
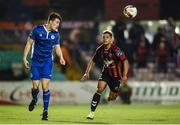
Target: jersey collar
(46, 28)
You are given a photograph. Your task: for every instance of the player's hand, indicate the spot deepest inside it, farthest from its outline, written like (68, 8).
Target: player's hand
(62, 61)
(85, 77)
(123, 80)
(26, 64)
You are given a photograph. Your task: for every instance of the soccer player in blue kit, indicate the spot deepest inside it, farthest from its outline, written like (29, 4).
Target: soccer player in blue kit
(41, 41)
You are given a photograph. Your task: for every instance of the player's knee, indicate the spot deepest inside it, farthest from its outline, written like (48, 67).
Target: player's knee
(45, 88)
(100, 90)
(35, 84)
(35, 87)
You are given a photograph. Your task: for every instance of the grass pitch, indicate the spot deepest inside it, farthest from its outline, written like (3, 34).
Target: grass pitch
(105, 114)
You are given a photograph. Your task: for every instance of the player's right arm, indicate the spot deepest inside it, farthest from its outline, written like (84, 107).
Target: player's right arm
(26, 51)
(88, 69)
(90, 65)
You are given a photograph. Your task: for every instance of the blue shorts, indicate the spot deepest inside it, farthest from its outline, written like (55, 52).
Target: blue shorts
(41, 70)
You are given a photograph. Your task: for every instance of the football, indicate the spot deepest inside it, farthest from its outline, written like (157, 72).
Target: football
(130, 11)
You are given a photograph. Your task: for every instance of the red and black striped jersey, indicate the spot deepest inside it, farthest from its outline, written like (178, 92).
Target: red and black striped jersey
(112, 60)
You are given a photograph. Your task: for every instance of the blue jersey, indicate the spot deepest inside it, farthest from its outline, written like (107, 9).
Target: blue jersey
(44, 41)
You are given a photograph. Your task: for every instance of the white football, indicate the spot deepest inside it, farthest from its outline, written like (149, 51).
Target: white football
(130, 11)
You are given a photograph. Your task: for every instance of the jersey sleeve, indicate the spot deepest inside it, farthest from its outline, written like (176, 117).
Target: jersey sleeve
(119, 54)
(33, 34)
(57, 39)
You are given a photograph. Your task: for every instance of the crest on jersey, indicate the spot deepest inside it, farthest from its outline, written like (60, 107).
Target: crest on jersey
(40, 35)
(118, 53)
(52, 37)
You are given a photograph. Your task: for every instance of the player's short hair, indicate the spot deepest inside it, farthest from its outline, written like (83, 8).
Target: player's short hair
(52, 16)
(108, 32)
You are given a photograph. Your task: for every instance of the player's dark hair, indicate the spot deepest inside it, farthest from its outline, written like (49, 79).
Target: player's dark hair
(108, 32)
(52, 16)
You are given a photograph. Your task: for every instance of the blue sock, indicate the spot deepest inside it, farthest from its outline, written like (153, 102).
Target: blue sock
(46, 96)
(34, 93)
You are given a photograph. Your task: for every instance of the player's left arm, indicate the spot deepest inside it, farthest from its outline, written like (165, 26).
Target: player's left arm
(121, 57)
(59, 54)
(125, 70)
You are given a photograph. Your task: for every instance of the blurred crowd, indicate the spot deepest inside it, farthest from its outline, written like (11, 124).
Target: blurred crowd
(158, 59)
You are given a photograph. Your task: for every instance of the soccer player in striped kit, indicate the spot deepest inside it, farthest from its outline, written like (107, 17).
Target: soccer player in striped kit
(114, 72)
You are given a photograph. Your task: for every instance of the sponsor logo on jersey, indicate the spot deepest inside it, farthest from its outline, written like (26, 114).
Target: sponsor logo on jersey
(107, 63)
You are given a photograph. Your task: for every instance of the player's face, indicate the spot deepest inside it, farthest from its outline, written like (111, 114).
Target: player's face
(54, 24)
(107, 39)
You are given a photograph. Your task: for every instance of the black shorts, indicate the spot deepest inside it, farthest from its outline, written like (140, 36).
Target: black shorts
(112, 82)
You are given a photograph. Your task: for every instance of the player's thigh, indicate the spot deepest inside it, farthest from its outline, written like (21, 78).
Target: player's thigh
(114, 84)
(46, 70)
(45, 84)
(101, 86)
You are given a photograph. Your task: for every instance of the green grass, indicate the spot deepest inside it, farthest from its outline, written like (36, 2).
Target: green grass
(105, 114)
